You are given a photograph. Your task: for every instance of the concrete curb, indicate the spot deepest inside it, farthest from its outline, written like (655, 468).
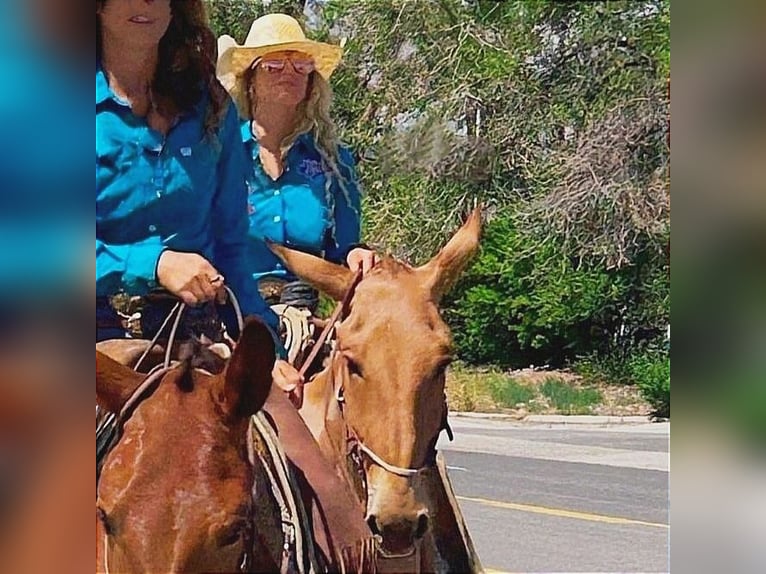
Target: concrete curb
(559, 420)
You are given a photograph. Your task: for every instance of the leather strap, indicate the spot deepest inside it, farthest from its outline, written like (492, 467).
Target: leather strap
(340, 525)
(340, 309)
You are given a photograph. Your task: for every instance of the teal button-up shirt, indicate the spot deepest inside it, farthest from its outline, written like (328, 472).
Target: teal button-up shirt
(305, 208)
(184, 191)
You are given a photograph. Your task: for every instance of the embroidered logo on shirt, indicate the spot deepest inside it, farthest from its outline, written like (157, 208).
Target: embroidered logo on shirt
(311, 168)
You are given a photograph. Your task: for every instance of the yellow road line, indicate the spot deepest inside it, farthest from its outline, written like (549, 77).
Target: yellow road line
(560, 512)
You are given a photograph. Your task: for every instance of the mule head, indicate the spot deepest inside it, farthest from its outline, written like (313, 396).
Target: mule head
(175, 492)
(393, 349)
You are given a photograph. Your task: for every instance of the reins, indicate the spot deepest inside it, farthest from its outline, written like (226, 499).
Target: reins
(340, 309)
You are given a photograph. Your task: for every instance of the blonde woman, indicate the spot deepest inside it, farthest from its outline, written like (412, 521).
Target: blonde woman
(302, 186)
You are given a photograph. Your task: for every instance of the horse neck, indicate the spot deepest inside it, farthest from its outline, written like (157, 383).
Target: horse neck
(324, 418)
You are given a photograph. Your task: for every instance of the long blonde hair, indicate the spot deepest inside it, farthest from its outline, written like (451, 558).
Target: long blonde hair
(314, 118)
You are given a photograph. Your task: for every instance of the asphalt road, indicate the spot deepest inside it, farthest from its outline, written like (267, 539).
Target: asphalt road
(562, 499)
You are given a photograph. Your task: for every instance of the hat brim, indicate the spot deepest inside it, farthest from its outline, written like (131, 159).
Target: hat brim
(237, 59)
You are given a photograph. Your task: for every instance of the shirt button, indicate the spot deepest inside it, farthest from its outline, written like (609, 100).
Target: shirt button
(276, 192)
(152, 228)
(277, 219)
(159, 193)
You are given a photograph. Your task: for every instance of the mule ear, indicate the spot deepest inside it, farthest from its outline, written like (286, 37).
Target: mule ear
(443, 270)
(247, 379)
(331, 279)
(115, 382)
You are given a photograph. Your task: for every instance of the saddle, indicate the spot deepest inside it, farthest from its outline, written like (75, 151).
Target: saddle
(316, 503)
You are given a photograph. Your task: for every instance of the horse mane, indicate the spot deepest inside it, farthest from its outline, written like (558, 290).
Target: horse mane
(394, 266)
(196, 354)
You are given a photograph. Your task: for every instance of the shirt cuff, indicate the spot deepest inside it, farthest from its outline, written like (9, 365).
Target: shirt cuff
(141, 266)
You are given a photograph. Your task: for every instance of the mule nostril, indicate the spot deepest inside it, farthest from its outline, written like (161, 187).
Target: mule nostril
(422, 525)
(372, 522)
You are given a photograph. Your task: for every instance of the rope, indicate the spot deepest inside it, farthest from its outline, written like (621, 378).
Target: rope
(157, 335)
(279, 458)
(339, 308)
(393, 469)
(178, 309)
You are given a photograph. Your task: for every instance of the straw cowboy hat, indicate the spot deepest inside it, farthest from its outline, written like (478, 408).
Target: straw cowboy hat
(269, 33)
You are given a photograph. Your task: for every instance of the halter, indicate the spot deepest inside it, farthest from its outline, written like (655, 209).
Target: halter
(356, 445)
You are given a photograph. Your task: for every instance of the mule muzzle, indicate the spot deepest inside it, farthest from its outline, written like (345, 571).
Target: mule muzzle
(398, 536)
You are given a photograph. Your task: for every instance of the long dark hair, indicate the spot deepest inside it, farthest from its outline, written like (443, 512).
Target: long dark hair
(186, 64)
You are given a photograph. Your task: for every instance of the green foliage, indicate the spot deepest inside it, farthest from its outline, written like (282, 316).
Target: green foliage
(647, 367)
(650, 370)
(612, 368)
(524, 301)
(569, 399)
(507, 392)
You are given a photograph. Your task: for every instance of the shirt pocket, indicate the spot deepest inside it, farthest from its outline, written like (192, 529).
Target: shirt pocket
(120, 177)
(192, 172)
(307, 214)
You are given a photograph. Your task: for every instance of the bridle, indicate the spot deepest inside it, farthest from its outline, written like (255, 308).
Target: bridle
(151, 380)
(356, 448)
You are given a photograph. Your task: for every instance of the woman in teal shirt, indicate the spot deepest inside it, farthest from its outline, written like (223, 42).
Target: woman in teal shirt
(170, 165)
(171, 200)
(302, 186)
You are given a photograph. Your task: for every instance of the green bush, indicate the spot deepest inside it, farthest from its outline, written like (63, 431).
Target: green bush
(611, 368)
(569, 399)
(525, 302)
(650, 370)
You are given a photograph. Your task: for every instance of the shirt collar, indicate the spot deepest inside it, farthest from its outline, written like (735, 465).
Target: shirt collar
(305, 140)
(103, 91)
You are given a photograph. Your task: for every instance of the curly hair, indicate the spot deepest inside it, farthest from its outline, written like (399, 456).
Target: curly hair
(186, 63)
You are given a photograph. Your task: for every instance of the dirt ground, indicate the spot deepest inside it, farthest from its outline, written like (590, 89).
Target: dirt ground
(617, 400)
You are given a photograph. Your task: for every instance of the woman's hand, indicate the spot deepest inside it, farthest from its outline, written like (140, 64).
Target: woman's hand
(287, 378)
(361, 256)
(190, 277)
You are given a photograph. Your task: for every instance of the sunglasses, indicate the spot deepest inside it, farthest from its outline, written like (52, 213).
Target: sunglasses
(278, 65)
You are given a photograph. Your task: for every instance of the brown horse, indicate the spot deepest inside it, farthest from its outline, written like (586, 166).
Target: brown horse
(175, 491)
(379, 406)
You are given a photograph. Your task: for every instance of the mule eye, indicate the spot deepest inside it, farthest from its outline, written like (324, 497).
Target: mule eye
(231, 533)
(353, 368)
